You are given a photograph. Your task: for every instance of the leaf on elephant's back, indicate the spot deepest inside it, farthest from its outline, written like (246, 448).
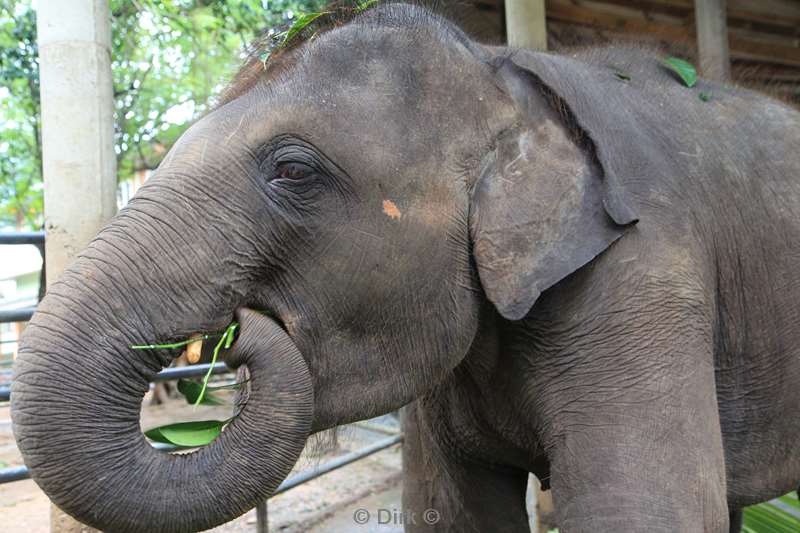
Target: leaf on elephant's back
(187, 434)
(682, 68)
(191, 390)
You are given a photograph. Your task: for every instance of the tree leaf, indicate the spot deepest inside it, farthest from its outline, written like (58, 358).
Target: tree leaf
(704, 97)
(682, 68)
(191, 391)
(187, 434)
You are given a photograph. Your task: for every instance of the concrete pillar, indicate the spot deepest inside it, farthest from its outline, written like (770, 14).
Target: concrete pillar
(712, 39)
(79, 163)
(525, 24)
(526, 27)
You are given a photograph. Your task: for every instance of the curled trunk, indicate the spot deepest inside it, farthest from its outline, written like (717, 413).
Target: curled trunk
(76, 399)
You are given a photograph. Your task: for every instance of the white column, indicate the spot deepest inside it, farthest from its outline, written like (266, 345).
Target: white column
(526, 27)
(525, 24)
(79, 163)
(712, 39)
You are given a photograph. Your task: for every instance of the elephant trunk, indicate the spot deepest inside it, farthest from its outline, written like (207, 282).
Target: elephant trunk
(76, 398)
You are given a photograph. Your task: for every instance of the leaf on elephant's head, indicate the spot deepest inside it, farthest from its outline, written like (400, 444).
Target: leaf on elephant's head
(187, 434)
(683, 69)
(302, 22)
(363, 6)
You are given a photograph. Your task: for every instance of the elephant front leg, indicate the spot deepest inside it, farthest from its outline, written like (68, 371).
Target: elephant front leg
(634, 439)
(442, 493)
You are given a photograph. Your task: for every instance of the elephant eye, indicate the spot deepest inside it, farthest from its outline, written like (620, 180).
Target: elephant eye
(292, 171)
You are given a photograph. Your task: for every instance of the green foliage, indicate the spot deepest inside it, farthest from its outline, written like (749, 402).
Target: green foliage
(683, 69)
(299, 25)
(193, 392)
(170, 345)
(782, 516)
(363, 6)
(191, 434)
(169, 59)
(20, 151)
(187, 434)
(225, 341)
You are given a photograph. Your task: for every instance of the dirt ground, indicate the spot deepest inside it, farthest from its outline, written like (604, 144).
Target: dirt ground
(319, 505)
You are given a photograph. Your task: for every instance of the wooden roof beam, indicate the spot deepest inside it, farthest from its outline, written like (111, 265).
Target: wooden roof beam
(632, 21)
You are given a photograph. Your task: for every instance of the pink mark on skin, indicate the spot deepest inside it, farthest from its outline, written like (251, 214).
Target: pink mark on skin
(390, 209)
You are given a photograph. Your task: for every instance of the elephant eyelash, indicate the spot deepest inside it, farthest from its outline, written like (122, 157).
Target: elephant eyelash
(292, 171)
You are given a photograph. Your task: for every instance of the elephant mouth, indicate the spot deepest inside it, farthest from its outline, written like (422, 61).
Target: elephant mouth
(207, 344)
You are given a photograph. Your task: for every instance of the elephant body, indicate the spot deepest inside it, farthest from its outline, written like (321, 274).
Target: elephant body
(678, 345)
(569, 265)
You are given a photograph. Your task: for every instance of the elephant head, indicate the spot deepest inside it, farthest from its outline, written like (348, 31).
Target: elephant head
(369, 195)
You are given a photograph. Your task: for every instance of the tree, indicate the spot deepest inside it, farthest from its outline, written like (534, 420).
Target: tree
(20, 143)
(169, 59)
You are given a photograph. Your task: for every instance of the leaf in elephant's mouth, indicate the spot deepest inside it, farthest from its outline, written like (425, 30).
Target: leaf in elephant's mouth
(225, 341)
(199, 433)
(187, 434)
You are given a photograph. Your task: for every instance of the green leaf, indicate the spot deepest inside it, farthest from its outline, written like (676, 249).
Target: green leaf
(363, 6)
(226, 341)
(169, 345)
(767, 517)
(191, 391)
(682, 68)
(300, 24)
(705, 97)
(187, 434)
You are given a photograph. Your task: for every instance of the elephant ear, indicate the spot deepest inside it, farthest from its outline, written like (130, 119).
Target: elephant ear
(544, 205)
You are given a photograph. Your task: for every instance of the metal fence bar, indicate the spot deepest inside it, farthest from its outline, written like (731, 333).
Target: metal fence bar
(35, 238)
(15, 473)
(167, 374)
(262, 520)
(194, 371)
(23, 314)
(346, 459)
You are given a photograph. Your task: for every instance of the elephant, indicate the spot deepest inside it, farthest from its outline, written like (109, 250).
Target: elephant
(571, 265)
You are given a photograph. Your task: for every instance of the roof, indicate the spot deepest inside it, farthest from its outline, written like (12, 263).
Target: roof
(763, 35)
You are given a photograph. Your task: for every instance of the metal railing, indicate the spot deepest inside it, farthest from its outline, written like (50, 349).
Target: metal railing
(35, 238)
(22, 314)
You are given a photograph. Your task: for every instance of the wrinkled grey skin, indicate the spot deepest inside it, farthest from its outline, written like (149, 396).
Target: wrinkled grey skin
(432, 220)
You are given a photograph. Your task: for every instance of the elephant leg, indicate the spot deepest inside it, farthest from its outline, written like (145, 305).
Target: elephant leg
(735, 520)
(442, 493)
(633, 431)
